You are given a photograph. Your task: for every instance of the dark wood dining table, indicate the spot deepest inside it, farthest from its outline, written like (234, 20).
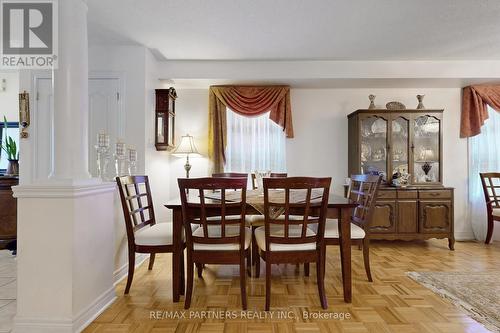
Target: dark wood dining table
(338, 207)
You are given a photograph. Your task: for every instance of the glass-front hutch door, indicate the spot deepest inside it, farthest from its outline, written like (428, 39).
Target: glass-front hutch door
(399, 157)
(373, 148)
(426, 149)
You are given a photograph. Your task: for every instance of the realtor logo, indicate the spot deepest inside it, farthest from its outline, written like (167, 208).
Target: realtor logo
(29, 34)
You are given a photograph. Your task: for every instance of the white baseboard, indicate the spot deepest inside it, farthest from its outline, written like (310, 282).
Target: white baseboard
(85, 317)
(122, 272)
(464, 235)
(62, 325)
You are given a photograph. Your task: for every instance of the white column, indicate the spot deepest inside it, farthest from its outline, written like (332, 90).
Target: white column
(71, 94)
(66, 225)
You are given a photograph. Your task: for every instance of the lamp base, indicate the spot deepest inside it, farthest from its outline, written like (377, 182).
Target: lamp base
(187, 166)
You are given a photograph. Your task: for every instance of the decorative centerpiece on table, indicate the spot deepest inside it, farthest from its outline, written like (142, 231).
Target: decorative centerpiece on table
(9, 146)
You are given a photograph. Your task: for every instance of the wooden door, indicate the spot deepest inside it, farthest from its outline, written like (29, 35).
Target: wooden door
(407, 216)
(104, 115)
(384, 217)
(435, 216)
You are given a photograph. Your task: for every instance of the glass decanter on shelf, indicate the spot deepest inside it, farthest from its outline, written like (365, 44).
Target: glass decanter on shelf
(120, 158)
(132, 161)
(102, 153)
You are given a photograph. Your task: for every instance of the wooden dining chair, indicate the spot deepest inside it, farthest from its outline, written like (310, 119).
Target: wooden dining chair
(286, 236)
(144, 235)
(222, 237)
(363, 190)
(272, 175)
(491, 190)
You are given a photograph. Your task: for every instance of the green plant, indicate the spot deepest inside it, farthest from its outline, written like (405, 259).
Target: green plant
(9, 145)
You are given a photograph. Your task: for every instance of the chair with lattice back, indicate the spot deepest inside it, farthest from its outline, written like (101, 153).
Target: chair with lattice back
(220, 236)
(292, 206)
(491, 189)
(363, 190)
(144, 235)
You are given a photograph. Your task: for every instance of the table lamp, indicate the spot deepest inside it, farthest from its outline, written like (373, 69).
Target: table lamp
(186, 148)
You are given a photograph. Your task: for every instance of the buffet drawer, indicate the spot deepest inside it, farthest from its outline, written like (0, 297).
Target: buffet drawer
(435, 194)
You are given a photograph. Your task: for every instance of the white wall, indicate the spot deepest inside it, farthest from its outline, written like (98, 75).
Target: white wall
(9, 99)
(320, 121)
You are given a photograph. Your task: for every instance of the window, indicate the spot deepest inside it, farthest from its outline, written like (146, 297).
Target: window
(254, 143)
(484, 156)
(12, 131)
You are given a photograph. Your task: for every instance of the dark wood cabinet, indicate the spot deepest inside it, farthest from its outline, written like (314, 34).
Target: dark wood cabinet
(8, 211)
(388, 141)
(413, 213)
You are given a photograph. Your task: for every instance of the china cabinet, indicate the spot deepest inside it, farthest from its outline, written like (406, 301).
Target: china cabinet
(165, 118)
(395, 142)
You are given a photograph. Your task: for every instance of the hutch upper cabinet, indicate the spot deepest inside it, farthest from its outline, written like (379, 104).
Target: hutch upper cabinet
(389, 141)
(165, 119)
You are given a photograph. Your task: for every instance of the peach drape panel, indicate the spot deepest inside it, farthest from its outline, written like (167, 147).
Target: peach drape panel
(248, 101)
(474, 107)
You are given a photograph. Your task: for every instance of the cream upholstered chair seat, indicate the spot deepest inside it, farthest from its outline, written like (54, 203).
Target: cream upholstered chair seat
(157, 234)
(496, 212)
(332, 230)
(215, 231)
(278, 231)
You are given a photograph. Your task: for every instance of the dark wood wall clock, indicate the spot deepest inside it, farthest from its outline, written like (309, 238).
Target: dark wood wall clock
(165, 119)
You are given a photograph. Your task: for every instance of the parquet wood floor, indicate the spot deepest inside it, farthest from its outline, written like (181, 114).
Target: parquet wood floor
(393, 303)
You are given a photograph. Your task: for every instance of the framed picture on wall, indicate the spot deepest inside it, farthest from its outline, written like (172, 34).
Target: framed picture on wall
(12, 131)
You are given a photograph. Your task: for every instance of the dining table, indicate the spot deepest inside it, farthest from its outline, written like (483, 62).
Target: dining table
(339, 208)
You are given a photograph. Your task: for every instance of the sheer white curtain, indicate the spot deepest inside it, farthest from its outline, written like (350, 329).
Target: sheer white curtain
(484, 156)
(254, 143)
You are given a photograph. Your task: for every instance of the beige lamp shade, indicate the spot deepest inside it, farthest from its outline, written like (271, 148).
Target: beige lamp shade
(186, 147)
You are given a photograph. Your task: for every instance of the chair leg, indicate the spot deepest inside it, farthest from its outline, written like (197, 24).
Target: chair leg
(243, 284)
(151, 261)
(182, 285)
(131, 268)
(320, 278)
(189, 287)
(268, 285)
(255, 254)
(199, 269)
(490, 230)
(306, 269)
(257, 265)
(366, 257)
(249, 263)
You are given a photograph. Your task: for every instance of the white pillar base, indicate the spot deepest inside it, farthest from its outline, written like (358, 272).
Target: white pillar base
(77, 324)
(65, 255)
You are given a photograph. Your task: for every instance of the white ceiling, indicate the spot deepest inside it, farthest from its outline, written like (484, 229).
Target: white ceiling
(302, 29)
